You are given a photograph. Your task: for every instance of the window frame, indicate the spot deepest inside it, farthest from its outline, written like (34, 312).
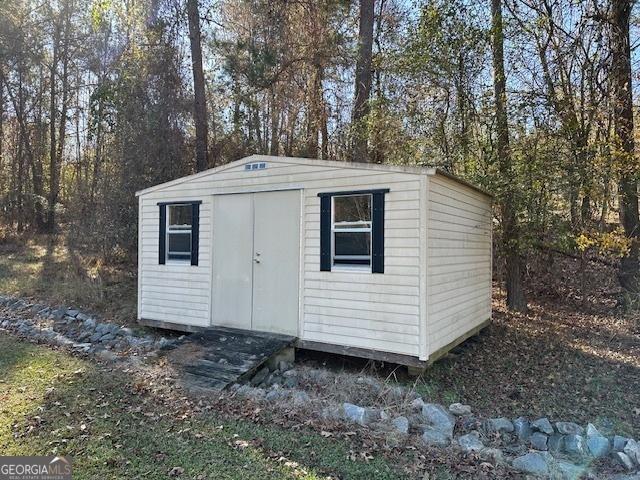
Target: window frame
(177, 231)
(364, 267)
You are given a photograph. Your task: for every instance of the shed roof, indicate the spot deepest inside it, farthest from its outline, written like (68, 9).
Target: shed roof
(411, 169)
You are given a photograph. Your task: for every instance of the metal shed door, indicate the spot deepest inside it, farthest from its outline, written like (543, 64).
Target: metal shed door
(256, 242)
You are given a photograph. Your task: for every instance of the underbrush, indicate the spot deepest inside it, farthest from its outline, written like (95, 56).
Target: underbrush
(51, 269)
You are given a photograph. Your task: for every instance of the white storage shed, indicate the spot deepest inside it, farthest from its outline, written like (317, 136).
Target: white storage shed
(379, 261)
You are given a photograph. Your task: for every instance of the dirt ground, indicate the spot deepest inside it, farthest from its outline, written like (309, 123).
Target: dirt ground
(574, 356)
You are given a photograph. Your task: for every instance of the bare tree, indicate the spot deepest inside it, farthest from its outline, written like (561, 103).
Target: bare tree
(510, 235)
(200, 102)
(363, 78)
(620, 77)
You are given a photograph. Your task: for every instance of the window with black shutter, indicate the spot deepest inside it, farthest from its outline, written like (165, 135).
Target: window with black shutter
(179, 232)
(352, 230)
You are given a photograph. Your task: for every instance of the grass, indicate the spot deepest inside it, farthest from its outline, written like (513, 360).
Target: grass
(53, 403)
(47, 268)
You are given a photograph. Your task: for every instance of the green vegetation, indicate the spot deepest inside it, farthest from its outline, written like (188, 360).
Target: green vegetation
(49, 268)
(54, 403)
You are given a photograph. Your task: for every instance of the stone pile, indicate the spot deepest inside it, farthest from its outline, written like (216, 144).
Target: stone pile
(537, 447)
(80, 331)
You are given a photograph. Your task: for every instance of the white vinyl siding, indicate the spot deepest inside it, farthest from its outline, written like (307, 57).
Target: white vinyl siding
(176, 292)
(458, 260)
(358, 309)
(436, 283)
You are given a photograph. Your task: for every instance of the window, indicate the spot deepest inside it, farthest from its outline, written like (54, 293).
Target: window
(351, 230)
(179, 232)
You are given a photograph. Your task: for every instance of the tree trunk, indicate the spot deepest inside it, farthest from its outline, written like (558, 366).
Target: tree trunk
(363, 79)
(510, 235)
(623, 130)
(53, 168)
(274, 114)
(200, 101)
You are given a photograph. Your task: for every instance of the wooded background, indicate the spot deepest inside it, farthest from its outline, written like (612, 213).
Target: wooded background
(532, 100)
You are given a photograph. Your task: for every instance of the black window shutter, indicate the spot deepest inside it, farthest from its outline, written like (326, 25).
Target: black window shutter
(162, 240)
(325, 233)
(377, 234)
(195, 232)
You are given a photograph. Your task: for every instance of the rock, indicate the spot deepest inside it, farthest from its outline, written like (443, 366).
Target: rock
(471, 442)
(435, 437)
(624, 460)
(72, 312)
(522, 429)
(260, 376)
(568, 470)
(300, 398)
(417, 404)
(360, 415)
(59, 313)
(36, 308)
(439, 418)
(384, 416)
(24, 328)
(275, 395)
(592, 431)
(167, 344)
(95, 336)
(80, 316)
(539, 441)
(249, 392)
(89, 323)
(17, 304)
(569, 428)
(102, 328)
(619, 443)
(542, 425)
(459, 409)
(401, 424)
(532, 463)
(127, 331)
(554, 443)
(632, 449)
(283, 365)
(574, 445)
(107, 337)
(4, 323)
(499, 425)
(273, 378)
(291, 381)
(598, 446)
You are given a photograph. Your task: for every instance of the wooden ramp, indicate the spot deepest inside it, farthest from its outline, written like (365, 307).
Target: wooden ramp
(218, 357)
